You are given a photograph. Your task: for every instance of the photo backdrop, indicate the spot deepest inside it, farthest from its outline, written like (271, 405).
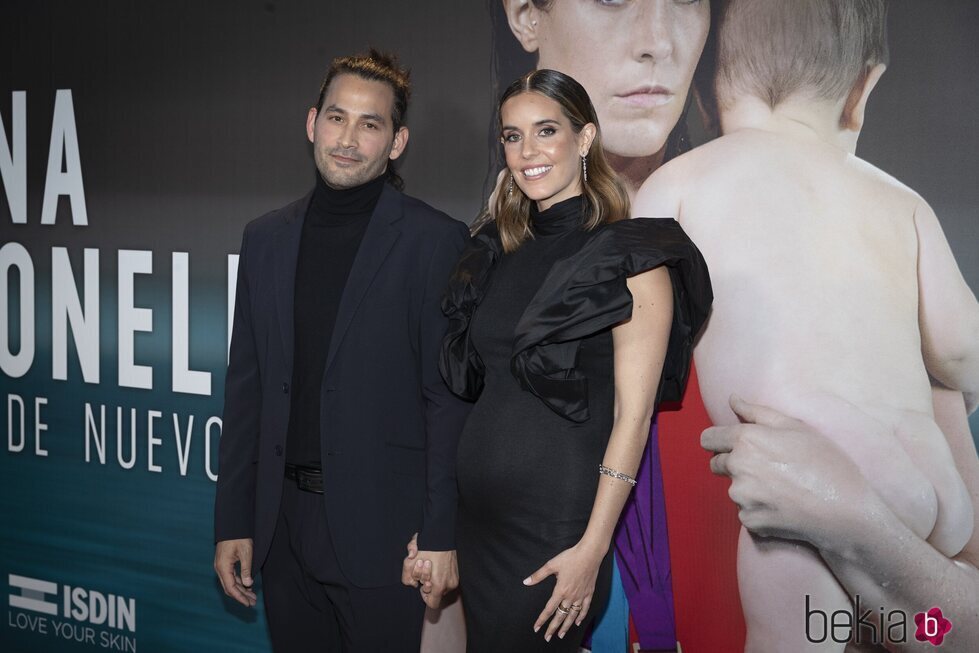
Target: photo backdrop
(138, 139)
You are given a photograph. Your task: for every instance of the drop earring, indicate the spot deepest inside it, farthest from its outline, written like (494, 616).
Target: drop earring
(584, 168)
(509, 187)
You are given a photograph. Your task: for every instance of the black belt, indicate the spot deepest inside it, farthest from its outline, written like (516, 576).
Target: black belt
(309, 479)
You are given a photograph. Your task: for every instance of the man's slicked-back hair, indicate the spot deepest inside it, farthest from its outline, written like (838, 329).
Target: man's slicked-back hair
(375, 66)
(772, 49)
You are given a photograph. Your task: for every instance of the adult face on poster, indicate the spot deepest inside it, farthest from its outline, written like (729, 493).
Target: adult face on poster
(636, 60)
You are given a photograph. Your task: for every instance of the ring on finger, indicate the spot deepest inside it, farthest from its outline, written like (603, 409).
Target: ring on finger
(575, 606)
(563, 610)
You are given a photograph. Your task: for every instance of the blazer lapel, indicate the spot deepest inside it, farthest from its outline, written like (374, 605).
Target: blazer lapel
(286, 256)
(378, 240)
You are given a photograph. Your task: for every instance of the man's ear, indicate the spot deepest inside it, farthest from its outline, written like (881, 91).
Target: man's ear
(400, 143)
(523, 18)
(856, 102)
(311, 123)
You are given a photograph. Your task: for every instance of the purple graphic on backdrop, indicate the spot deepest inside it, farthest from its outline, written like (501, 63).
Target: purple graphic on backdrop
(643, 550)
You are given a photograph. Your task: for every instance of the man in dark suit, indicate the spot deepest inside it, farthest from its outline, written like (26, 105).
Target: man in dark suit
(339, 436)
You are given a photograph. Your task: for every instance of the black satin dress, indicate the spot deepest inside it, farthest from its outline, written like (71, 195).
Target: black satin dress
(530, 336)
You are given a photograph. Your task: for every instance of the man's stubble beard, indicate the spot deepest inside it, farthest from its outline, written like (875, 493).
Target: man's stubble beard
(358, 175)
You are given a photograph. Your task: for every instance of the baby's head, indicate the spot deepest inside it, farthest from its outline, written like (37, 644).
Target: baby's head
(829, 53)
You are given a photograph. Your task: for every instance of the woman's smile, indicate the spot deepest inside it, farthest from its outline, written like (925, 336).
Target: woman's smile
(535, 173)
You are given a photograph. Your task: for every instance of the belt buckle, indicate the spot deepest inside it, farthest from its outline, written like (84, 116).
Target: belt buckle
(307, 481)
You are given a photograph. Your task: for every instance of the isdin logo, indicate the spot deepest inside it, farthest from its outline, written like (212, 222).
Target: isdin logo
(77, 603)
(32, 595)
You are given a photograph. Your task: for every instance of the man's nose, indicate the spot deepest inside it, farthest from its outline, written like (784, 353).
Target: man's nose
(348, 136)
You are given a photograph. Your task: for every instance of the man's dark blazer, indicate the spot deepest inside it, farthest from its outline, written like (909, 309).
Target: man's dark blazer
(389, 425)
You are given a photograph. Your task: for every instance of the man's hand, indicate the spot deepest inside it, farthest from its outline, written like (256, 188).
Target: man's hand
(436, 572)
(409, 562)
(226, 554)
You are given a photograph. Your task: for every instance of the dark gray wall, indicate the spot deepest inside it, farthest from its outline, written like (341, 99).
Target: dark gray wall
(192, 115)
(921, 121)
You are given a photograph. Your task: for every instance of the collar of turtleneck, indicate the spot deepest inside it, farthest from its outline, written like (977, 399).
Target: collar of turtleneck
(560, 218)
(338, 205)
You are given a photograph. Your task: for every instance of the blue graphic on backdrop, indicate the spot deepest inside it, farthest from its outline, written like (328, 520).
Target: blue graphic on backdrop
(112, 366)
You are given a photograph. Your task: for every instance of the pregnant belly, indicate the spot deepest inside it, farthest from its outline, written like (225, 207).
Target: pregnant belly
(518, 459)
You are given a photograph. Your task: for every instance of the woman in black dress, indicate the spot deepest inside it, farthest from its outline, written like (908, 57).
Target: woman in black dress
(568, 323)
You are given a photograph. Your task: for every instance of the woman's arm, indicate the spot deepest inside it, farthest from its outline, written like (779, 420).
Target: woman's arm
(640, 348)
(871, 552)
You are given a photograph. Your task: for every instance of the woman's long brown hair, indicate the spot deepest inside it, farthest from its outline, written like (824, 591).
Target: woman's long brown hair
(605, 195)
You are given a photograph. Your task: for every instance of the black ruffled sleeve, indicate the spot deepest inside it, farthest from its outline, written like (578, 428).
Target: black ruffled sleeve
(459, 362)
(587, 292)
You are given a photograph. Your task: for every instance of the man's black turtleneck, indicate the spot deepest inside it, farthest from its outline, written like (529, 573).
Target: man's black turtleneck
(334, 226)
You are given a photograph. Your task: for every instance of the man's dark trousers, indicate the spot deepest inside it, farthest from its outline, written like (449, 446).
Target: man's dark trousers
(389, 425)
(310, 604)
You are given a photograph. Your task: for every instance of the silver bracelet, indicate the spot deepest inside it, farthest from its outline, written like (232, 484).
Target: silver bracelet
(602, 469)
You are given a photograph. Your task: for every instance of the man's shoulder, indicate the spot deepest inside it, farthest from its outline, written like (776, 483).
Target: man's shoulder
(269, 222)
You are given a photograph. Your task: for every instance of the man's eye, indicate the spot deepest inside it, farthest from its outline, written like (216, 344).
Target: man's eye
(370, 125)
(336, 118)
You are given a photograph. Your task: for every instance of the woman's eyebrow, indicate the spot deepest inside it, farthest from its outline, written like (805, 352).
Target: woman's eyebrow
(539, 123)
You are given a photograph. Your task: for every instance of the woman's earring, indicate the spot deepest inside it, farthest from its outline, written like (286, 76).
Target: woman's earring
(584, 167)
(509, 187)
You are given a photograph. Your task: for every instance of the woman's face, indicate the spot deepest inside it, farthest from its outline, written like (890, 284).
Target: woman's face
(542, 150)
(636, 59)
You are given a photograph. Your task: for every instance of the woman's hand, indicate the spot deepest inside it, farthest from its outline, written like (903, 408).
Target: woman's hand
(576, 570)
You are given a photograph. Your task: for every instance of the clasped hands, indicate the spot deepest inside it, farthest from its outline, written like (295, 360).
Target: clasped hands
(576, 569)
(434, 573)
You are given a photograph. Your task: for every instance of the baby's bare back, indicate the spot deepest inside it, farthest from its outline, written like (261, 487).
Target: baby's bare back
(813, 260)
